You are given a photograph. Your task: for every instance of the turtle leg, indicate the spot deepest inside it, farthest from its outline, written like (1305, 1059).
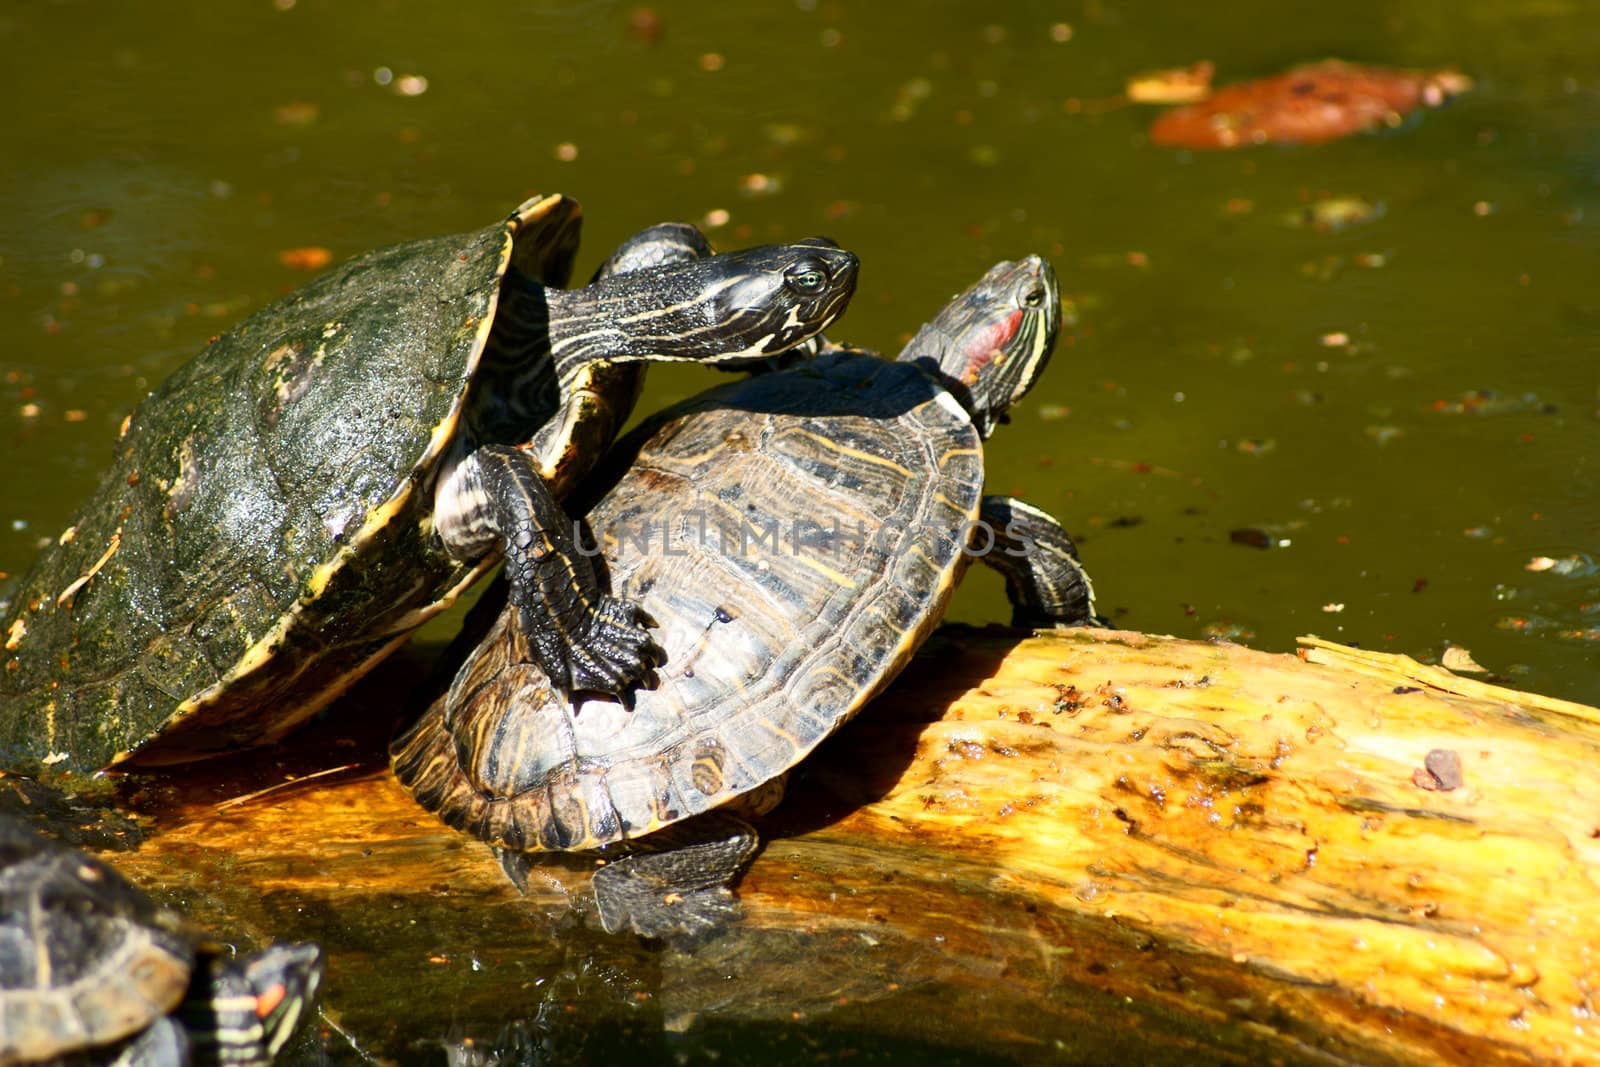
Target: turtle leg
(1045, 583)
(165, 1043)
(583, 639)
(677, 884)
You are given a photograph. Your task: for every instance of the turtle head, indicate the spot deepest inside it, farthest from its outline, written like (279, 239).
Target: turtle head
(250, 1007)
(764, 301)
(738, 307)
(990, 344)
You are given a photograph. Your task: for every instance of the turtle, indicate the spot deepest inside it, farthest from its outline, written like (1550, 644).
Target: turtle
(93, 971)
(287, 507)
(595, 398)
(796, 535)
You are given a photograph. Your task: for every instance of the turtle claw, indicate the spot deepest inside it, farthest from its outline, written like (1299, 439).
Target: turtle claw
(615, 652)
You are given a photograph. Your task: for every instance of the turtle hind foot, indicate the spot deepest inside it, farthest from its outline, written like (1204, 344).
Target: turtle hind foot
(679, 885)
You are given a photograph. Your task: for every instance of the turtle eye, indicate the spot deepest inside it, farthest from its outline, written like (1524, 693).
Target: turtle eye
(808, 278)
(1033, 296)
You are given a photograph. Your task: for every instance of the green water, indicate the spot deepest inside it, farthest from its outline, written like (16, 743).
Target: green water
(158, 157)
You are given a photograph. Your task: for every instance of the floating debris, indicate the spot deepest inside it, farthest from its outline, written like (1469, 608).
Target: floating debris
(1252, 537)
(1459, 659)
(312, 257)
(786, 134)
(1179, 85)
(1332, 214)
(1307, 105)
(1491, 402)
(644, 25)
(1228, 630)
(296, 113)
(756, 185)
(1560, 629)
(1565, 567)
(909, 97)
(1383, 435)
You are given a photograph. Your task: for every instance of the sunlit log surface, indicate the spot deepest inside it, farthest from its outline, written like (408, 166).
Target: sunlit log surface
(1091, 846)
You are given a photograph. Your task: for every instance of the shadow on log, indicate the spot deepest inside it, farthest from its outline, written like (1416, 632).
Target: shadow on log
(1084, 846)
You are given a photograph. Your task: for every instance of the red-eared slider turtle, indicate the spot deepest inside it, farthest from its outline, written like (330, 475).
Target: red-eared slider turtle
(93, 972)
(595, 399)
(287, 507)
(796, 536)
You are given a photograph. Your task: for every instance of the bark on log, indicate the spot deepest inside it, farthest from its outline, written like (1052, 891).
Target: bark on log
(1084, 845)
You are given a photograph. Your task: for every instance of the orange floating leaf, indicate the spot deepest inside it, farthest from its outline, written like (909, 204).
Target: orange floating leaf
(1307, 105)
(296, 113)
(309, 258)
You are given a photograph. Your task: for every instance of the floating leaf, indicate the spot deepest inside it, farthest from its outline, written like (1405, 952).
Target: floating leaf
(296, 113)
(1331, 214)
(309, 258)
(1307, 105)
(1180, 85)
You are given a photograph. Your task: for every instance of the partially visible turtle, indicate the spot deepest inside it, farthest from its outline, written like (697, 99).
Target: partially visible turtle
(93, 972)
(287, 507)
(796, 536)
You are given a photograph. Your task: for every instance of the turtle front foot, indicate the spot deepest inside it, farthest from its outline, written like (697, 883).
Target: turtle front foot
(613, 652)
(584, 640)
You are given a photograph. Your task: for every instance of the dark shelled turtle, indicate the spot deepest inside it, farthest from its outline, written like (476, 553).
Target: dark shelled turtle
(796, 536)
(287, 507)
(93, 971)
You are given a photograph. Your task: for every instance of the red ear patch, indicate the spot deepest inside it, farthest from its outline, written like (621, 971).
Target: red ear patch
(988, 345)
(269, 1000)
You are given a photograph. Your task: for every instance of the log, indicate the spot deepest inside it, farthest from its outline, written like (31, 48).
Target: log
(1089, 845)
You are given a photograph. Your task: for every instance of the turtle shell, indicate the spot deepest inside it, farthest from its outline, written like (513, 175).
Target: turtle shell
(795, 536)
(85, 958)
(263, 535)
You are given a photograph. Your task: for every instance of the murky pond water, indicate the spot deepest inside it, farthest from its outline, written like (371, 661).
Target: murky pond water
(1406, 409)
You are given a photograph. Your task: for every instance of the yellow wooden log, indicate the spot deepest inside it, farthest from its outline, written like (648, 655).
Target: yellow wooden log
(1097, 842)
(1266, 810)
